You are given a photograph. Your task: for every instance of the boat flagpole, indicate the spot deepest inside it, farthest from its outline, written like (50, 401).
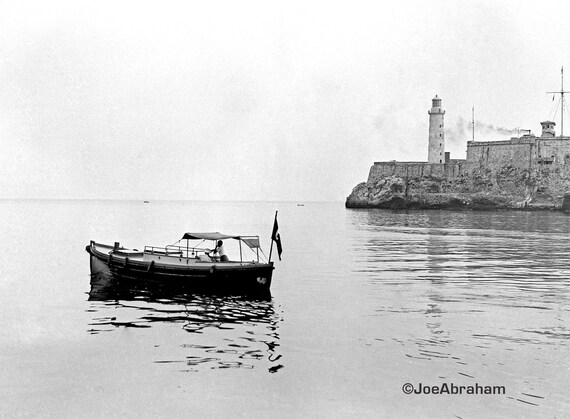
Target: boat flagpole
(271, 248)
(275, 237)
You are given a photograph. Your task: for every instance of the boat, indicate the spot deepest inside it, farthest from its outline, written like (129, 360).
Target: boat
(188, 266)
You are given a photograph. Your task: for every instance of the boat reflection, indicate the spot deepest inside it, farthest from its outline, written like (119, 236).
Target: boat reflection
(227, 331)
(107, 286)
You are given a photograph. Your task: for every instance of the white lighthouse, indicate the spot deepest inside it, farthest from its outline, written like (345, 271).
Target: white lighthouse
(436, 151)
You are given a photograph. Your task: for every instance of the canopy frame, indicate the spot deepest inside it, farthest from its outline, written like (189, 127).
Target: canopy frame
(251, 241)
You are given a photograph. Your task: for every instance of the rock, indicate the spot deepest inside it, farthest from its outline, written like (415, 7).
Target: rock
(509, 188)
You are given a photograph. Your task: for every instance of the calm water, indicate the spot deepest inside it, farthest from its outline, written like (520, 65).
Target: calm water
(363, 302)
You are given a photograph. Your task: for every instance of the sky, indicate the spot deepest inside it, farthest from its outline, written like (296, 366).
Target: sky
(259, 100)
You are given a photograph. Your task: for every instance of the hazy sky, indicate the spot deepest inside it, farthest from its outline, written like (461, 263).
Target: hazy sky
(244, 100)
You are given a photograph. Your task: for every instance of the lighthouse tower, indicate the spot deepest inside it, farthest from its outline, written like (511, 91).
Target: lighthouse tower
(436, 151)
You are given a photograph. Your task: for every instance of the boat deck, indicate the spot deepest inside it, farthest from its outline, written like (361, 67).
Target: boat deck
(164, 256)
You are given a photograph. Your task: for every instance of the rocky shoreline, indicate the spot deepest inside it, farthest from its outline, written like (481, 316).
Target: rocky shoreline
(523, 192)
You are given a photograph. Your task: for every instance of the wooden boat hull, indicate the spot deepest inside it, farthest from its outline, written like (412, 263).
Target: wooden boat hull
(174, 271)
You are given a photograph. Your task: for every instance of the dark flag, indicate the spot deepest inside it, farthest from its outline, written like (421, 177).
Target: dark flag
(276, 237)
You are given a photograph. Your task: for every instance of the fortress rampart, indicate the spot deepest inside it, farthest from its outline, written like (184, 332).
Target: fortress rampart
(535, 154)
(448, 171)
(527, 152)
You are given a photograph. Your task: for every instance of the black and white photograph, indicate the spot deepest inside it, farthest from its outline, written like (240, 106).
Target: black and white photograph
(284, 209)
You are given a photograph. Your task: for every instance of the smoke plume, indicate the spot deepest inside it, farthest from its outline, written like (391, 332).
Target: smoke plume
(462, 131)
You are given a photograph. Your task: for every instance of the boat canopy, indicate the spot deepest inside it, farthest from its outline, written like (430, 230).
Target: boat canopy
(251, 241)
(207, 236)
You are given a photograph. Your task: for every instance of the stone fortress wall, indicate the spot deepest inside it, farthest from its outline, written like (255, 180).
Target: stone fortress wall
(527, 152)
(451, 170)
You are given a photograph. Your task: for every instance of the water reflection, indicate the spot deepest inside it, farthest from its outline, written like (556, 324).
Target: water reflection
(224, 331)
(525, 250)
(471, 289)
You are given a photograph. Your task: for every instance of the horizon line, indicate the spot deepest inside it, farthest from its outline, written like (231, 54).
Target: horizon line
(167, 200)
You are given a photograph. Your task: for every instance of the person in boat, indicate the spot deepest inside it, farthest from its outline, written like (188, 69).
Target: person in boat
(219, 253)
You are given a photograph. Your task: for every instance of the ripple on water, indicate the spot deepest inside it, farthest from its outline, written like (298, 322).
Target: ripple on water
(483, 297)
(221, 331)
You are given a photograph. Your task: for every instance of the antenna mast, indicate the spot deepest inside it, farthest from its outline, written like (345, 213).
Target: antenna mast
(473, 122)
(561, 92)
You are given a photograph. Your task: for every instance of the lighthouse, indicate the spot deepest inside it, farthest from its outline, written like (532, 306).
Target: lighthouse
(436, 150)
